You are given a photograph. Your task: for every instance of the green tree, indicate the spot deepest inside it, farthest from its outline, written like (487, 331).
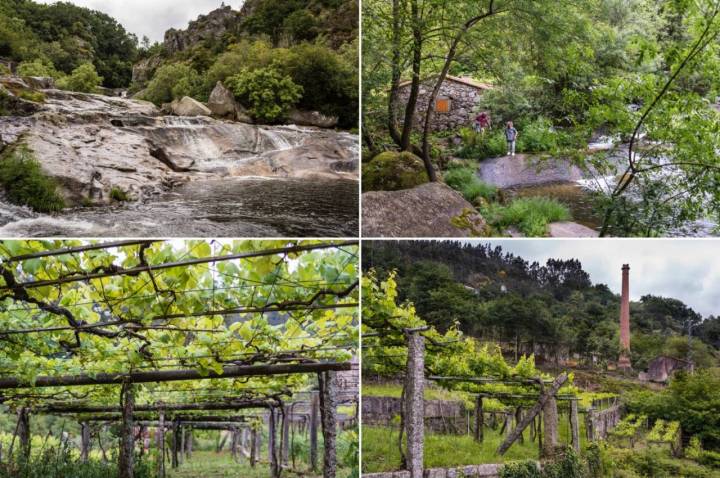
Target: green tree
(173, 80)
(37, 67)
(267, 93)
(83, 78)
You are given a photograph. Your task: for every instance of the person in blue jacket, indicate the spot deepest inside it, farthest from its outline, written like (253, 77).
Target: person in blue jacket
(511, 135)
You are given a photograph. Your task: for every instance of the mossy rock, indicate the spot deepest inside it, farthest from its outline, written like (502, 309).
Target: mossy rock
(393, 171)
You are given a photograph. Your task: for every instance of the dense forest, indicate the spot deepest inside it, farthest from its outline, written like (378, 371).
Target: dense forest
(640, 75)
(273, 55)
(552, 308)
(293, 53)
(55, 39)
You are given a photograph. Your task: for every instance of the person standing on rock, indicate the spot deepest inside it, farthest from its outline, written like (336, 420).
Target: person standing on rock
(511, 135)
(482, 122)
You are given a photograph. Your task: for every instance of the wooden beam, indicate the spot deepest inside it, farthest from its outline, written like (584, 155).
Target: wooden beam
(73, 250)
(230, 371)
(184, 263)
(544, 397)
(208, 406)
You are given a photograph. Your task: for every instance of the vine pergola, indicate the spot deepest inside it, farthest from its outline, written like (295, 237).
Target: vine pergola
(178, 335)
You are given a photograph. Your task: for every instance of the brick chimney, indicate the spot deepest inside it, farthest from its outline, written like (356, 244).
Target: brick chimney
(624, 361)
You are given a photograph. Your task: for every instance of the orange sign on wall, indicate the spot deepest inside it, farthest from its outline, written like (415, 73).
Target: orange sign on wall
(442, 105)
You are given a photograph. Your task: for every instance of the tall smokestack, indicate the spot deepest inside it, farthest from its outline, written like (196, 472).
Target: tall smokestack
(624, 362)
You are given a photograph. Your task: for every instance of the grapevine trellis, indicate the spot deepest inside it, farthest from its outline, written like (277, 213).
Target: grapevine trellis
(181, 332)
(398, 343)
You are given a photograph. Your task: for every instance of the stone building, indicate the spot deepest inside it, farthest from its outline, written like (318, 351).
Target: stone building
(455, 105)
(661, 369)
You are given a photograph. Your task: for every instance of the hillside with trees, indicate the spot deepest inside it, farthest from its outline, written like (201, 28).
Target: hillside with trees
(551, 308)
(304, 51)
(53, 40)
(614, 103)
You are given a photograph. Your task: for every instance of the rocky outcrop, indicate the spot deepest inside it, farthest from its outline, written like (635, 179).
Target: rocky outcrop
(39, 82)
(206, 27)
(189, 107)
(312, 118)
(92, 143)
(429, 210)
(570, 229)
(222, 104)
(144, 70)
(12, 105)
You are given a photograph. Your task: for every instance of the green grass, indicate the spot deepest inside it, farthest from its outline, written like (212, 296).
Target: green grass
(209, 464)
(380, 453)
(465, 181)
(26, 183)
(118, 194)
(530, 215)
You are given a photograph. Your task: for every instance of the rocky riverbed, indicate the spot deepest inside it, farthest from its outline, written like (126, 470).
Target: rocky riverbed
(232, 178)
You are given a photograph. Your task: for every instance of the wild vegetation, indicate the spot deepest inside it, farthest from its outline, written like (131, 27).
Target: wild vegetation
(293, 41)
(55, 39)
(641, 74)
(484, 313)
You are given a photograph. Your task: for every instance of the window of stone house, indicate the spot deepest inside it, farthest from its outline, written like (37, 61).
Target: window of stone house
(442, 105)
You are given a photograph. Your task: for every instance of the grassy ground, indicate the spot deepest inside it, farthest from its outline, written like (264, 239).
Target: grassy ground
(208, 464)
(380, 451)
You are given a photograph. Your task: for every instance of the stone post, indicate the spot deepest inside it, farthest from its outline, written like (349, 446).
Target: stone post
(574, 425)
(415, 403)
(328, 415)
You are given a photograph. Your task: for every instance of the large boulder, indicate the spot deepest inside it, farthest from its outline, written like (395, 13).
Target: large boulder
(190, 107)
(223, 104)
(429, 210)
(393, 171)
(570, 229)
(312, 118)
(144, 70)
(40, 82)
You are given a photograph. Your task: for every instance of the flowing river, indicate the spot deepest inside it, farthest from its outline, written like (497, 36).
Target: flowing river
(185, 176)
(236, 207)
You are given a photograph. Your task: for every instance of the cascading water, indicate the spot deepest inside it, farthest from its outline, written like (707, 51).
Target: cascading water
(188, 176)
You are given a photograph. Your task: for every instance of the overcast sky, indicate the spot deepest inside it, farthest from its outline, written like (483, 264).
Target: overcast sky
(688, 270)
(153, 17)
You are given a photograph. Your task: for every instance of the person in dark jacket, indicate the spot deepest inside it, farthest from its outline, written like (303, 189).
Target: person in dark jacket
(511, 135)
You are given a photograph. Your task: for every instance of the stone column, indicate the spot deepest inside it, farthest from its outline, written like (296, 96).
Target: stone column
(127, 444)
(314, 418)
(479, 419)
(85, 442)
(575, 425)
(624, 361)
(550, 432)
(415, 403)
(328, 416)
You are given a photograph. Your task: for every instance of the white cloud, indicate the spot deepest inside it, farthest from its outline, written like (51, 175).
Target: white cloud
(686, 269)
(153, 17)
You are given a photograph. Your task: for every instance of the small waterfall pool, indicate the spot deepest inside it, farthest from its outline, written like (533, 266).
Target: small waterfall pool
(240, 207)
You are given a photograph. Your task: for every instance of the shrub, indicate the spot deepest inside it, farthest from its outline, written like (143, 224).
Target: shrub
(530, 215)
(34, 96)
(84, 78)
(118, 194)
(37, 67)
(173, 80)
(392, 171)
(26, 183)
(520, 469)
(246, 54)
(480, 146)
(329, 80)
(537, 136)
(266, 92)
(467, 183)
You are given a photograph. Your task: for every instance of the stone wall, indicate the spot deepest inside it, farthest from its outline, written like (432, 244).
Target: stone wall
(441, 416)
(470, 471)
(599, 423)
(463, 103)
